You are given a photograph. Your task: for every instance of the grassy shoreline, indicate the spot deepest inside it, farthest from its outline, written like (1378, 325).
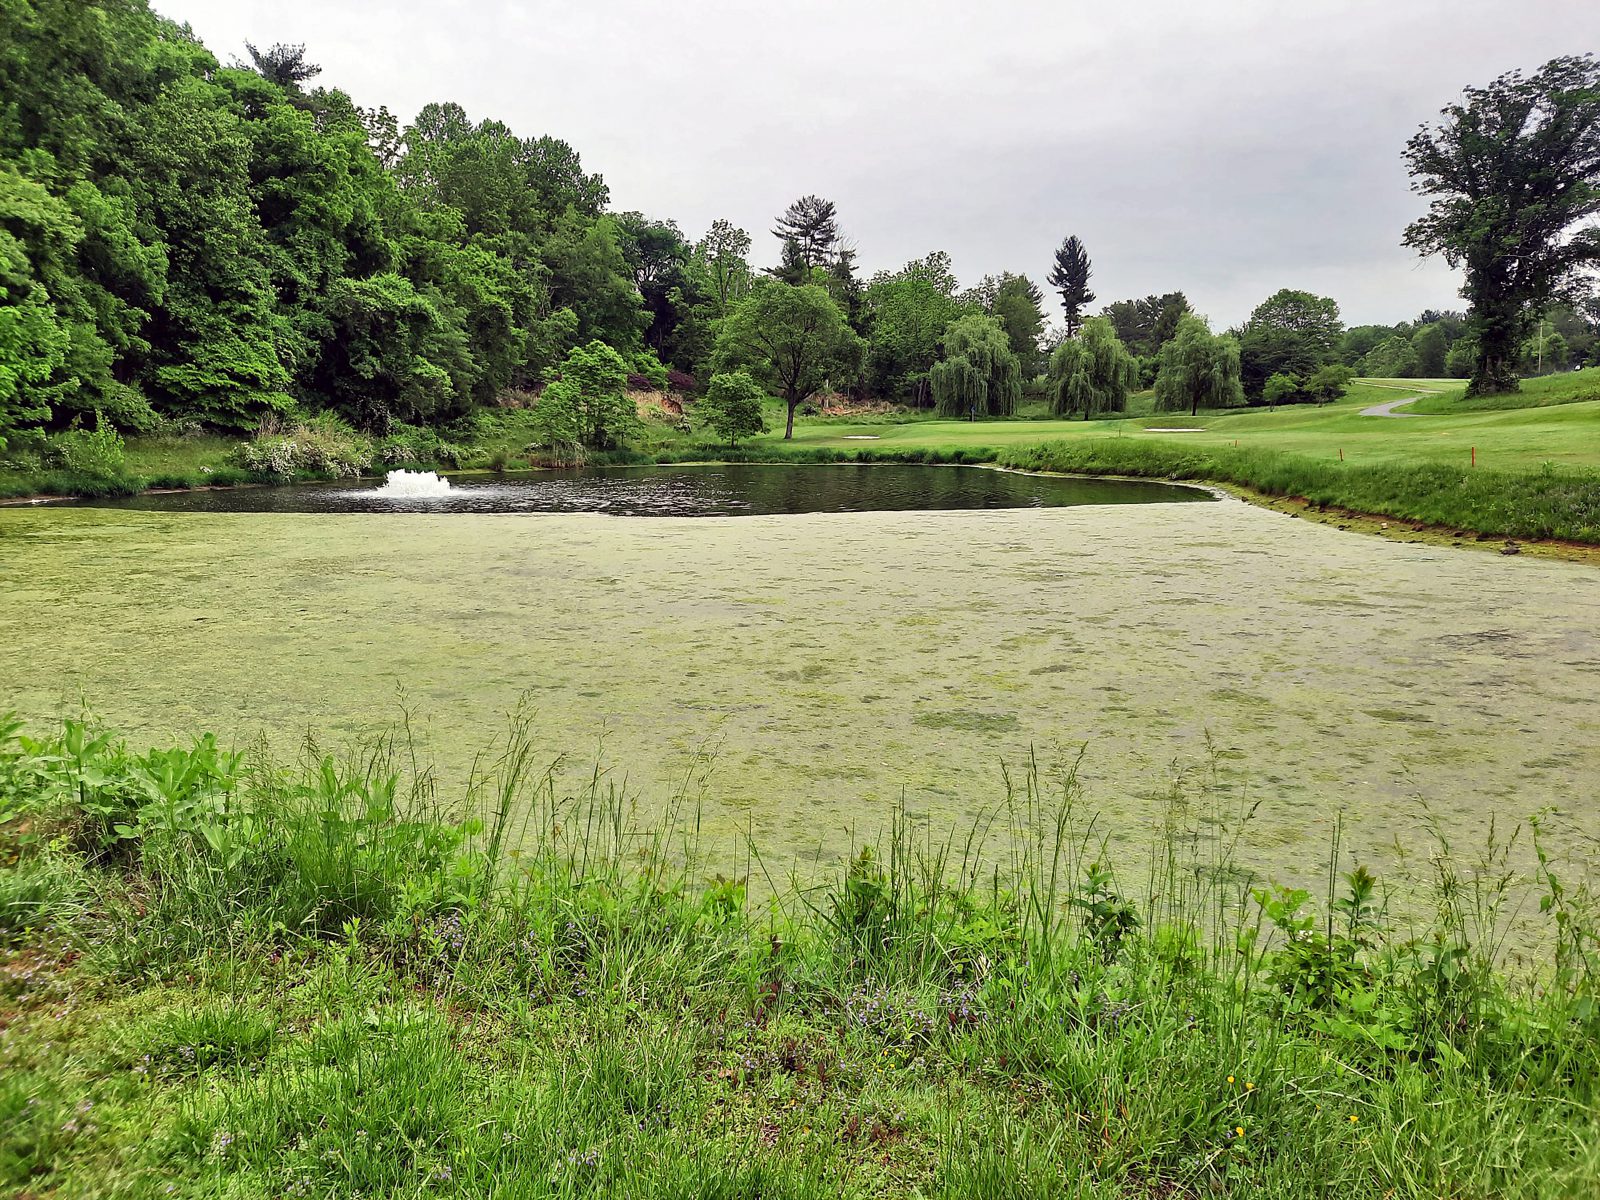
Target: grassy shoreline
(1408, 469)
(225, 975)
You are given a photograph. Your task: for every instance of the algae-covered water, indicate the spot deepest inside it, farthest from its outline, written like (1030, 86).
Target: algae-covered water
(837, 662)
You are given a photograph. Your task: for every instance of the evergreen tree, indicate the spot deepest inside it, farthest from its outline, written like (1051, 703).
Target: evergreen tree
(811, 223)
(283, 65)
(1070, 277)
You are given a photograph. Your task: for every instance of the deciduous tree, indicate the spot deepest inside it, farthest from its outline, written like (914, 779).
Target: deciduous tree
(1198, 368)
(1093, 372)
(794, 338)
(979, 375)
(1513, 170)
(733, 406)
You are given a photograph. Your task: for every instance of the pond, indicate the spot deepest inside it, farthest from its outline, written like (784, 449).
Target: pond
(831, 665)
(689, 491)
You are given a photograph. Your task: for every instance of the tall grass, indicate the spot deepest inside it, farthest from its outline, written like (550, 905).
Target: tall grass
(317, 978)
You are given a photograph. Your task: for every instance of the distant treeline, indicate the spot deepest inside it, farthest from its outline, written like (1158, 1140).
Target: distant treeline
(188, 243)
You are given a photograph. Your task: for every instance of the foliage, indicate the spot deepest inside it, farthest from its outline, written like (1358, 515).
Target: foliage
(794, 339)
(908, 312)
(32, 347)
(733, 406)
(1329, 382)
(318, 979)
(979, 376)
(1092, 373)
(1512, 169)
(1283, 389)
(1198, 368)
(1289, 333)
(649, 368)
(811, 226)
(587, 406)
(1144, 326)
(1392, 358)
(1017, 304)
(97, 454)
(1070, 277)
(319, 447)
(182, 239)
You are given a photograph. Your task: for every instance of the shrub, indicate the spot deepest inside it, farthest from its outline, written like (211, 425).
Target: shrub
(647, 368)
(93, 454)
(418, 446)
(733, 406)
(323, 446)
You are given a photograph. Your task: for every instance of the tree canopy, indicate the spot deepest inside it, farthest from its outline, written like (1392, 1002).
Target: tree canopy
(1093, 372)
(733, 406)
(1198, 369)
(811, 225)
(1291, 333)
(794, 338)
(1513, 170)
(1070, 277)
(979, 375)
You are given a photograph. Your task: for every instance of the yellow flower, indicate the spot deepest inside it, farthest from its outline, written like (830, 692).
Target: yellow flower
(1353, 1118)
(1230, 1078)
(1239, 1129)
(1249, 1087)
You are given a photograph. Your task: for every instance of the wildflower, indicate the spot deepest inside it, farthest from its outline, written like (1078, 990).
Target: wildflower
(1353, 1118)
(1249, 1087)
(1230, 1078)
(1239, 1130)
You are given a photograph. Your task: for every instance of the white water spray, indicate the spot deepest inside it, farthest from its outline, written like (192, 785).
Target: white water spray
(413, 485)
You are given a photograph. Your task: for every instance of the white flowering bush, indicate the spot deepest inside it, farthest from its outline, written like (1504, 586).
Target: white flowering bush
(324, 446)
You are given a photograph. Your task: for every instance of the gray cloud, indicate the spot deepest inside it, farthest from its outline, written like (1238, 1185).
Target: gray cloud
(1224, 147)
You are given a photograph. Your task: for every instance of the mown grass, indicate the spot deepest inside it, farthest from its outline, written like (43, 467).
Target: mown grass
(1543, 504)
(229, 976)
(1568, 387)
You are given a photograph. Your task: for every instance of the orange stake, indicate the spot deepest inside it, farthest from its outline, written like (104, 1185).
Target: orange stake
(1474, 456)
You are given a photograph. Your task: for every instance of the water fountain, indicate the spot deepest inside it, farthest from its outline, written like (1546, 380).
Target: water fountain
(413, 485)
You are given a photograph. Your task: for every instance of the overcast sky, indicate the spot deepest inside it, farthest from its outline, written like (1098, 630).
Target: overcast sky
(1226, 148)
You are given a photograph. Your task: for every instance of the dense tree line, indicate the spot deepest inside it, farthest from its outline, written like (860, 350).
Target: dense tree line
(188, 241)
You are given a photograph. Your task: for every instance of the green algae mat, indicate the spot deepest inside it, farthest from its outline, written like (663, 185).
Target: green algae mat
(828, 666)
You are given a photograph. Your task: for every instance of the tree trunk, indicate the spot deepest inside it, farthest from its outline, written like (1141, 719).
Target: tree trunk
(788, 428)
(1495, 372)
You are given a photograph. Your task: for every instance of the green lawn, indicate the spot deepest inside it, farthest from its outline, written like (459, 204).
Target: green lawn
(1564, 432)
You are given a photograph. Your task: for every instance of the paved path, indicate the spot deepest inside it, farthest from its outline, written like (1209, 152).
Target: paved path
(1387, 408)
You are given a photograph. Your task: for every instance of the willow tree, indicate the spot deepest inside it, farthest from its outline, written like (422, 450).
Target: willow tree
(1093, 372)
(979, 375)
(1198, 368)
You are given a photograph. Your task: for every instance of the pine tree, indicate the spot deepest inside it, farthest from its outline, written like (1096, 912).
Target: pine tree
(1070, 277)
(811, 223)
